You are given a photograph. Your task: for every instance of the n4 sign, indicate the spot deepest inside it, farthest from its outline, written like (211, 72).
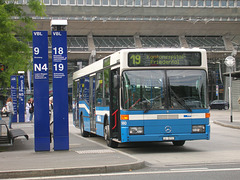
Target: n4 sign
(40, 67)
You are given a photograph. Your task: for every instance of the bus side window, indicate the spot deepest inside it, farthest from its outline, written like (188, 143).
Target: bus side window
(86, 89)
(99, 89)
(106, 92)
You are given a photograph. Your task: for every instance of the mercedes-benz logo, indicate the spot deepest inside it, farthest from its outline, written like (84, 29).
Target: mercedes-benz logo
(168, 129)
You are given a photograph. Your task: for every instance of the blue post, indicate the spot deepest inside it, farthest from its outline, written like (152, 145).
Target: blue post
(21, 104)
(14, 96)
(41, 91)
(60, 90)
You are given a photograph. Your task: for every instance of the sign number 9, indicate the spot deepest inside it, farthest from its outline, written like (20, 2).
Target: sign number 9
(36, 50)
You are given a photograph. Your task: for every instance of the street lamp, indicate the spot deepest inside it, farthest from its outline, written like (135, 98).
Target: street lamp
(230, 62)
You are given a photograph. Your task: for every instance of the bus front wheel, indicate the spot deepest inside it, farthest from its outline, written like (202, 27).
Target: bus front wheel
(178, 143)
(107, 138)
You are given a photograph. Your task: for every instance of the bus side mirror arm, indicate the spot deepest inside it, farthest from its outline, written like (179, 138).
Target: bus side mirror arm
(116, 81)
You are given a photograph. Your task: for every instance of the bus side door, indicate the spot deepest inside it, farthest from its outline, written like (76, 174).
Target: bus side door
(115, 131)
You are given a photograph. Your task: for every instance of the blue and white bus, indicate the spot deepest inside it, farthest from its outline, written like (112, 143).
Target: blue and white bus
(140, 95)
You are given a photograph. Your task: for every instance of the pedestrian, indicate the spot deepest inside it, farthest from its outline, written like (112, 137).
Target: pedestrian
(10, 111)
(28, 106)
(31, 110)
(50, 107)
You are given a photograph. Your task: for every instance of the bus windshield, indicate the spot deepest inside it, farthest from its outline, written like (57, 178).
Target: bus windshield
(164, 89)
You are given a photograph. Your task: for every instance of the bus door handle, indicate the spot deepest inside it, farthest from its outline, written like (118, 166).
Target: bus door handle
(115, 114)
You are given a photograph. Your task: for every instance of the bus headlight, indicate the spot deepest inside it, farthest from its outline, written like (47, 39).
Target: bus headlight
(198, 129)
(136, 130)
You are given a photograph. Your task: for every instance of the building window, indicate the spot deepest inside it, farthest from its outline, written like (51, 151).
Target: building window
(200, 3)
(231, 3)
(153, 2)
(20, 2)
(238, 3)
(224, 3)
(113, 2)
(170, 3)
(129, 2)
(105, 2)
(80, 2)
(161, 3)
(121, 2)
(193, 3)
(185, 3)
(55, 2)
(145, 2)
(88, 2)
(209, 3)
(46, 2)
(215, 3)
(63, 2)
(177, 3)
(97, 2)
(137, 2)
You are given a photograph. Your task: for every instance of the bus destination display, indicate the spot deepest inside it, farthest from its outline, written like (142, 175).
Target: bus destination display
(145, 59)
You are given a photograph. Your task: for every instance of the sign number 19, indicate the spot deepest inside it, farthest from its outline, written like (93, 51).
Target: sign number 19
(58, 67)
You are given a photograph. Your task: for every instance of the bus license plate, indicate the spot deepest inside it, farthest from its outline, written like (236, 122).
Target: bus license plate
(168, 138)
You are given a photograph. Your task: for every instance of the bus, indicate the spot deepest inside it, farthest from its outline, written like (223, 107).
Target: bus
(144, 95)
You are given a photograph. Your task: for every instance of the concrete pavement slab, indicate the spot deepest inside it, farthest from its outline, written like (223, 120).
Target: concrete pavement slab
(84, 157)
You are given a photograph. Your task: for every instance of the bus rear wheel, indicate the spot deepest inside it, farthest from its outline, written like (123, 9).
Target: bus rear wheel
(83, 133)
(178, 143)
(107, 138)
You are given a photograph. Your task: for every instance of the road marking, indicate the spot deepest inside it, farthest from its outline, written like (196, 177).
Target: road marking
(98, 151)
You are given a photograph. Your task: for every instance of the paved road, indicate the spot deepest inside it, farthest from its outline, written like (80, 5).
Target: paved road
(217, 158)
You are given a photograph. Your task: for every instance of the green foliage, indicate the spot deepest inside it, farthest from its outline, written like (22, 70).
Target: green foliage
(15, 32)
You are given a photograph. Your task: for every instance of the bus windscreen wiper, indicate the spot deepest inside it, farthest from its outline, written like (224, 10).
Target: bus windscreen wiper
(180, 101)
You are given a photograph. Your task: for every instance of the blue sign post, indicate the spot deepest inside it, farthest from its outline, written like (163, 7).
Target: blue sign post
(21, 104)
(41, 91)
(60, 90)
(14, 96)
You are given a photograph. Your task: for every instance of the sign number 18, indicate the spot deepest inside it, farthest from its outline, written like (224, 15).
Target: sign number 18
(58, 50)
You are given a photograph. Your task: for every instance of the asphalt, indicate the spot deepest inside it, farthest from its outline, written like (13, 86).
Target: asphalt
(84, 156)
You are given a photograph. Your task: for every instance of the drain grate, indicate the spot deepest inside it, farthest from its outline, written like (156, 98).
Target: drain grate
(98, 151)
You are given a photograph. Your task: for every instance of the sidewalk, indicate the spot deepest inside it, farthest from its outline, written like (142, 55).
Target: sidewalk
(222, 117)
(84, 157)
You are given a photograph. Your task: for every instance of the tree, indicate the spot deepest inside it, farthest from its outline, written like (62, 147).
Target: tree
(15, 34)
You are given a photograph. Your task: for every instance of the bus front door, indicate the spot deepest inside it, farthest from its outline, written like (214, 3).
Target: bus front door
(115, 131)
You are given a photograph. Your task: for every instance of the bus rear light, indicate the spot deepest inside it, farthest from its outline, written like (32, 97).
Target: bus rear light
(207, 115)
(124, 117)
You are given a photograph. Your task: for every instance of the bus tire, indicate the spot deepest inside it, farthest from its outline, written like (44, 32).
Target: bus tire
(83, 133)
(178, 143)
(109, 141)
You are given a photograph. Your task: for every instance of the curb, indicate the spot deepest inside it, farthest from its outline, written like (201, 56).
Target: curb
(72, 171)
(226, 125)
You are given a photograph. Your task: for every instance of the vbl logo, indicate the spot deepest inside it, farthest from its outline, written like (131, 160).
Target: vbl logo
(57, 34)
(37, 33)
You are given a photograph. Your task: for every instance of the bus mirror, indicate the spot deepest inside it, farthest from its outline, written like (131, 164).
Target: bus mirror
(116, 81)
